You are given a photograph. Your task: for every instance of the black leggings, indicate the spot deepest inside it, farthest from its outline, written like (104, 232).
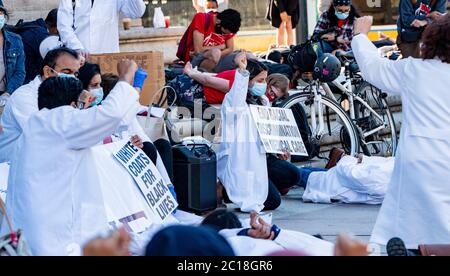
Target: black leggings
(282, 175)
(164, 149)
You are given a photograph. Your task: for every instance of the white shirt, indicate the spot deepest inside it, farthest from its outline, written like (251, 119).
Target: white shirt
(22, 104)
(286, 240)
(350, 182)
(417, 203)
(43, 199)
(96, 27)
(241, 160)
(4, 172)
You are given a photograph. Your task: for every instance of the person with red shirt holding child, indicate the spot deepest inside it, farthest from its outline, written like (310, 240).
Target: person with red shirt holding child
(210, 37)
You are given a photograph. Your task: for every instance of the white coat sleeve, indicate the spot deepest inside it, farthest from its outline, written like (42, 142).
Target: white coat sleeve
(84, 128)
(385, 74)
(237, 97)
(65, 23)
(132, 8)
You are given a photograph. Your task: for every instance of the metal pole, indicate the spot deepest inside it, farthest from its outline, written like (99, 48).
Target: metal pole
(302, 27)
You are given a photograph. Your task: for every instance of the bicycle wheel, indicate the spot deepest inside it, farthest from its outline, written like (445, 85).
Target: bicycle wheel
(378, 131)
(338, 130)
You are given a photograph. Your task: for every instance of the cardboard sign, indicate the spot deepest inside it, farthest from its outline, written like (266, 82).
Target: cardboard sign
(152, 62)
(149, 180)
(278, 130)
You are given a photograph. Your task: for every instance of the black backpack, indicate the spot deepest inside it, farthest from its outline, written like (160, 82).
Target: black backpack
(22, 27)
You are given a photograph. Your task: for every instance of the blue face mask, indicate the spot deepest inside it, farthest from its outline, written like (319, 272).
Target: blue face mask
(98, 93)
(64, 75)
(2, 21)
(258, 89)
(342, 15)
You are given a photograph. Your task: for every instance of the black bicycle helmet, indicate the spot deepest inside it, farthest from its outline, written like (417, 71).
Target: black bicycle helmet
(327, 68)
(302, 57)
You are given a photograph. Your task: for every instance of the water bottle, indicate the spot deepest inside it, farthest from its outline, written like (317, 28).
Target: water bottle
(139, 78)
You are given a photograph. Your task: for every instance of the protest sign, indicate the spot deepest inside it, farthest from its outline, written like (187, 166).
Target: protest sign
(148, 179)
(152, 62)
(278, 130)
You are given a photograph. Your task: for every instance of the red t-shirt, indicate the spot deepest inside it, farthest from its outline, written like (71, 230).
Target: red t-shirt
(341, 23)
(214, 96)
(211, 38)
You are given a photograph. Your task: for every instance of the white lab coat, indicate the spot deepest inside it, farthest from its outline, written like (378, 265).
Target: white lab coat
(97, 26)
(21, 105)
(286, 240)
(417, 204)
(350, 182)
(241, 165)
(43, 199)
(4, 172)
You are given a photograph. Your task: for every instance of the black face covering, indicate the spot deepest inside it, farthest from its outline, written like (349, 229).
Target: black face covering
(218, 29)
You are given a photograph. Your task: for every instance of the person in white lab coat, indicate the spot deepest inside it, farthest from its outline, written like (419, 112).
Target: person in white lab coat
(242, 165)
(42, 198)
(91, 26)
(362, 180)
(90, 76)
(23, 103)
(417, 203)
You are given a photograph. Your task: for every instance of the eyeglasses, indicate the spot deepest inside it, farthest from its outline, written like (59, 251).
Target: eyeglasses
(75, 74)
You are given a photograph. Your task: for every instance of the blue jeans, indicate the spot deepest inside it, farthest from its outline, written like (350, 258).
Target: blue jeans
(305, 173)
(324, 47)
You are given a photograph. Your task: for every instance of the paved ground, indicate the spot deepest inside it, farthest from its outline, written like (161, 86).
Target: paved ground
(328, 220)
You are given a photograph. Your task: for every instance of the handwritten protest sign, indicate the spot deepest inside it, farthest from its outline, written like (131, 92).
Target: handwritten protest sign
(149, 180)
(278, 130)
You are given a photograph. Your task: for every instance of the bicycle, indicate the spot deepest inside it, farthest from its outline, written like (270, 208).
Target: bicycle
(360, 120)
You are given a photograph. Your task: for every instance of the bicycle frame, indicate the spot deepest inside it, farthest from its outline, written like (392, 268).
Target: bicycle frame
(347, 89)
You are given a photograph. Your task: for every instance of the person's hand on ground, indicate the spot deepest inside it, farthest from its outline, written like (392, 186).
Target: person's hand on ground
(260, 229)
(126, 70)
(115, 245)
(137, 141)
(363, 25)
(345, 246)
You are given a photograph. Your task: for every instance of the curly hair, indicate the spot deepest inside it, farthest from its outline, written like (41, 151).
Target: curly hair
(231, 20)
(436, 40)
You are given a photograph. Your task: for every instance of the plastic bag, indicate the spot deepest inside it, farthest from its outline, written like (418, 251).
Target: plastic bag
(158, 19)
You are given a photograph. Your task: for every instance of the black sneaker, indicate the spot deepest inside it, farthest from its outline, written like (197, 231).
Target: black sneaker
(396, 247)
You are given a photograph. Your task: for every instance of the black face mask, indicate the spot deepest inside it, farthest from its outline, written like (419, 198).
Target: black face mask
(218, 29)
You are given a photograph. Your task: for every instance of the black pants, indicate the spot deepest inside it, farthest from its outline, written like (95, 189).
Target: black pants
(282, 175)
(164, 149)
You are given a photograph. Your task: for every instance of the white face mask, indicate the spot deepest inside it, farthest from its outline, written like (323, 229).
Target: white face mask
(63, 75)
(2, 21)
(98, 93)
